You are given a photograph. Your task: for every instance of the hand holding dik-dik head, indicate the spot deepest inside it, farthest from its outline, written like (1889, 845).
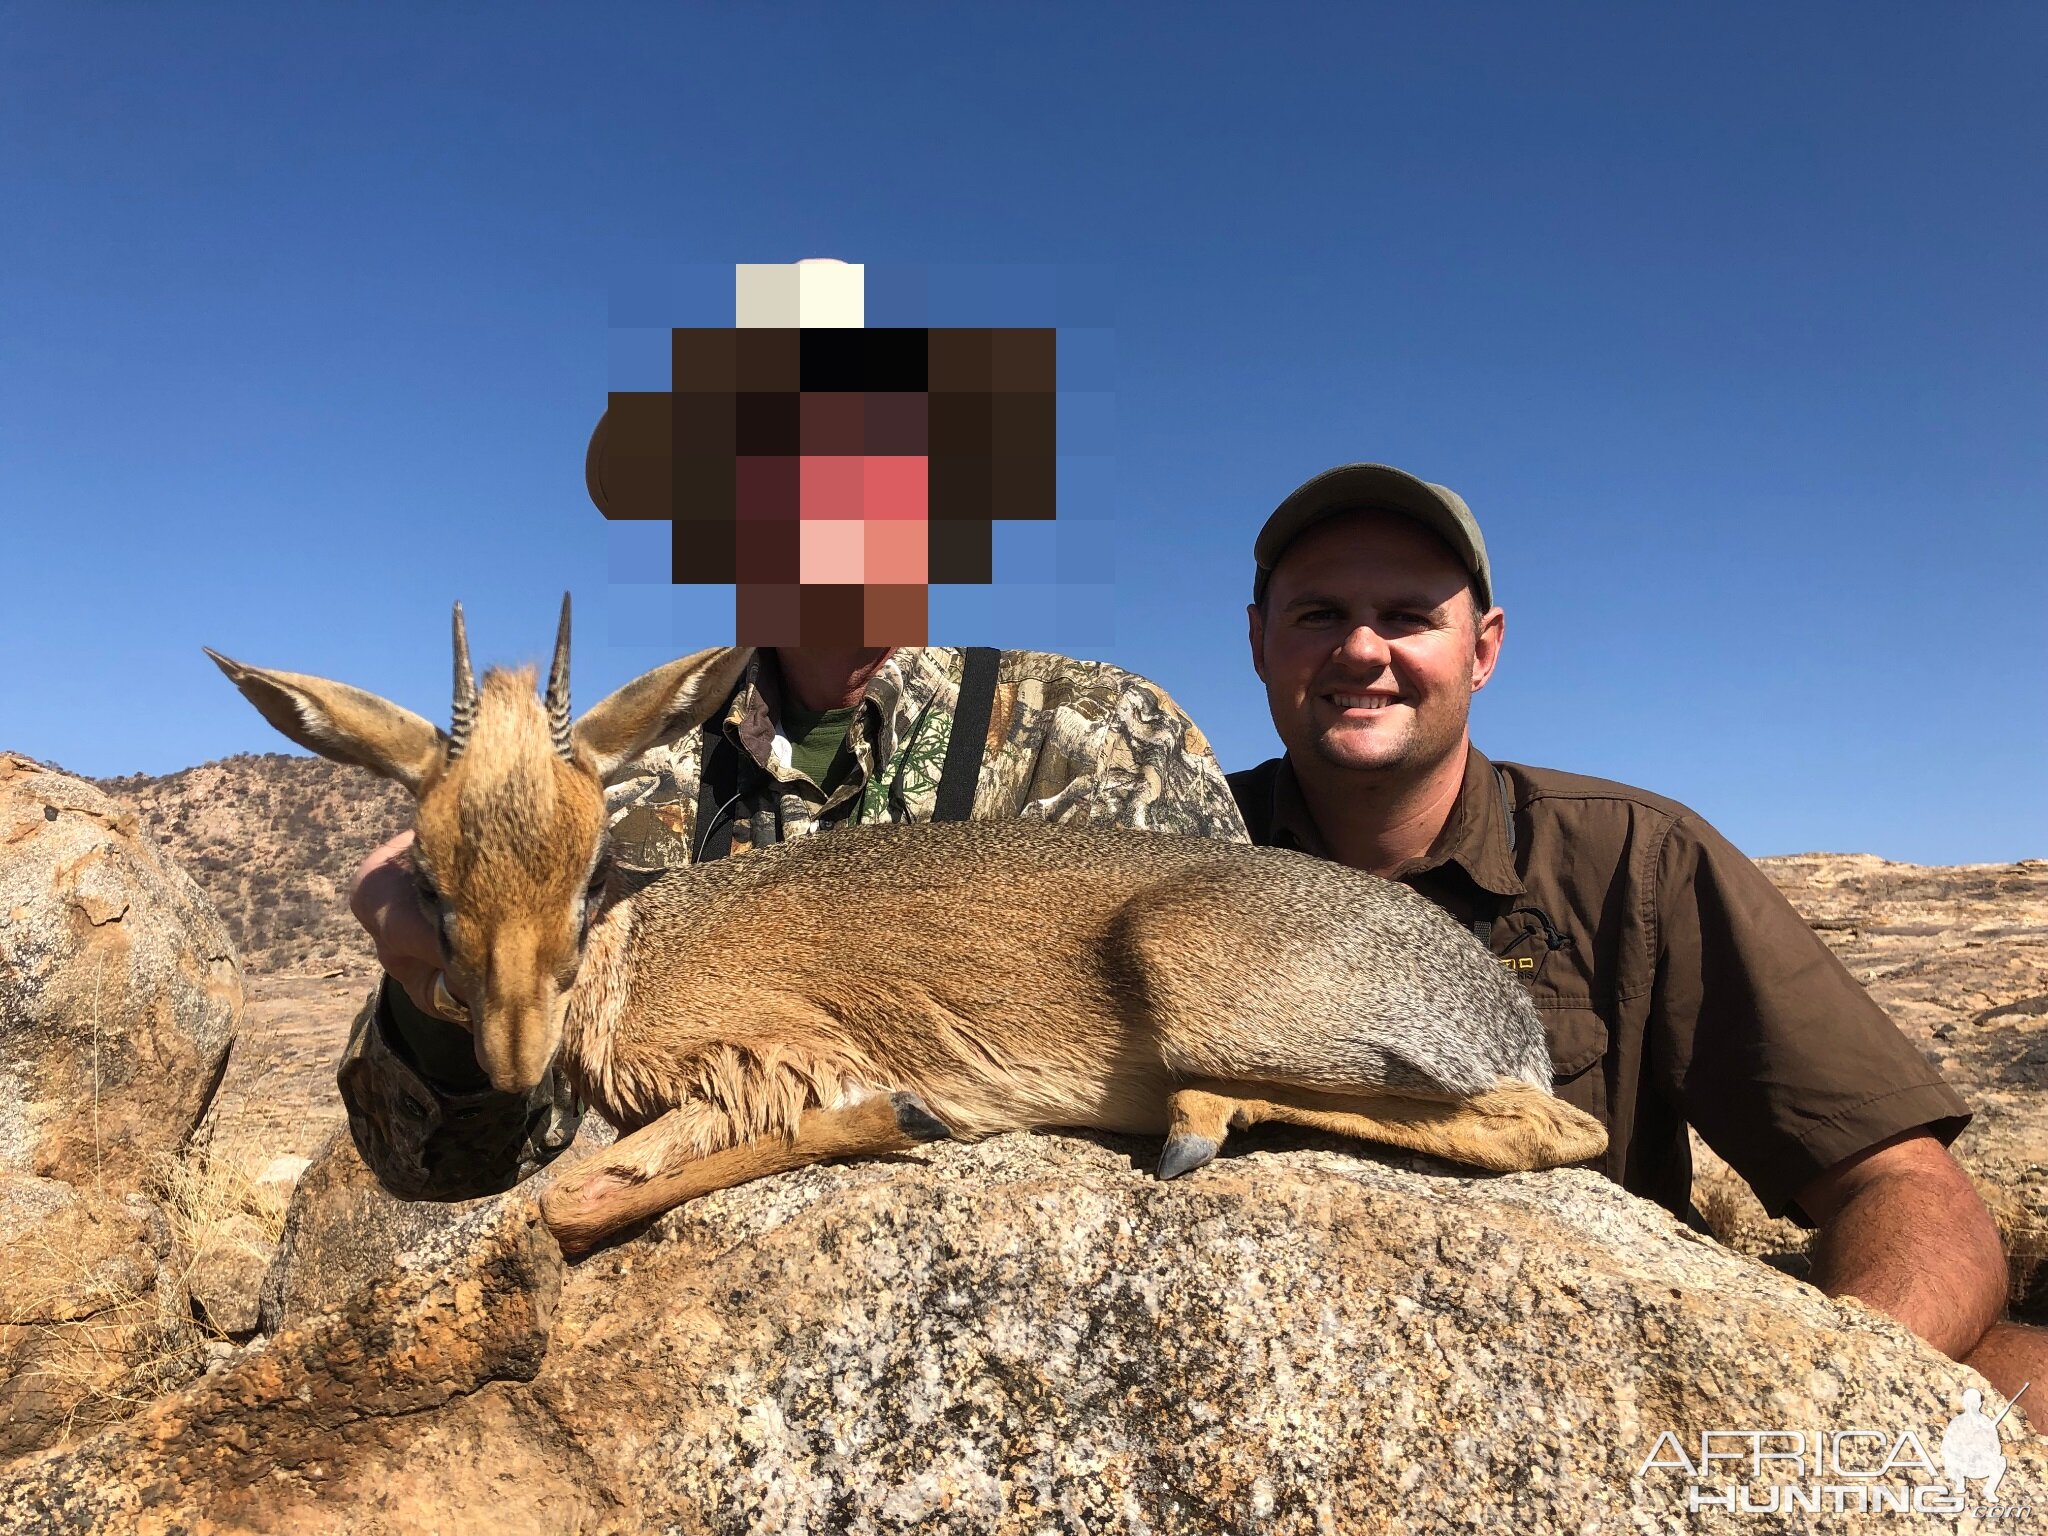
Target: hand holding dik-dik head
(863, 990)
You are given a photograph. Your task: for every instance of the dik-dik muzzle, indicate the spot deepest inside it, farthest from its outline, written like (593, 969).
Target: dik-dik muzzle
(510, 825)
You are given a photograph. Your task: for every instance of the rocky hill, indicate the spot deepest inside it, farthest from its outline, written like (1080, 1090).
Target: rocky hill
(273, 840)
(1958, 956)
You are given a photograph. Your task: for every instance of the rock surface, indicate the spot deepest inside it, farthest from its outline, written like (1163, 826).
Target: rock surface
(224, 1277)
(344, 1233)
(119, 989)
(1028, 1335)
(1959, 958)
(119, 996)
(275, 1109)
(1031, 1335)
(93, 1321)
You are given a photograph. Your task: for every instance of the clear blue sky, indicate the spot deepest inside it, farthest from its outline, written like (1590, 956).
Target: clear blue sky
(1727, 320)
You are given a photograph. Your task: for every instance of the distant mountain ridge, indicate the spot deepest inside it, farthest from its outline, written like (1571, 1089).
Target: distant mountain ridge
(273, 840)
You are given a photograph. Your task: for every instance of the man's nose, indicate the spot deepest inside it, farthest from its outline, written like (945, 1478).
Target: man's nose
(1364, 646)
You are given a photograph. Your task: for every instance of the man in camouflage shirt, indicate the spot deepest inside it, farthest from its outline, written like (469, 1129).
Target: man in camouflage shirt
(1068, 742)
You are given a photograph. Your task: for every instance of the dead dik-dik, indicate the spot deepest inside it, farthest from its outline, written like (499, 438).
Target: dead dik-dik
(870, 988)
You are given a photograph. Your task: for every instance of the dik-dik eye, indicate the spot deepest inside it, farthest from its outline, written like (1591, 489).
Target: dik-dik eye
(600, 873)
(437, 910)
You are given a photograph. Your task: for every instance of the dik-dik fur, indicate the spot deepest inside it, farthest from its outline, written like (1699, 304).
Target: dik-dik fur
(874, 987)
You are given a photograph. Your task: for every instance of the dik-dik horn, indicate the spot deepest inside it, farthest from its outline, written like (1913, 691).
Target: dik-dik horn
(870, 988)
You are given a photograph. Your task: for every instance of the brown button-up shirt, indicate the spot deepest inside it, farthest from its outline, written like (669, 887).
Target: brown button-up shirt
(1676, 984)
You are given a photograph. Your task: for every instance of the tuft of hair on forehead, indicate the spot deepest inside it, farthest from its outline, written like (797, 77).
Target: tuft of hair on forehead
(509, 782)
(509, 721)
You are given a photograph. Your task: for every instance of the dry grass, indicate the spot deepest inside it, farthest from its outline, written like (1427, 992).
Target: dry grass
(93, 1332)
(211, 1202)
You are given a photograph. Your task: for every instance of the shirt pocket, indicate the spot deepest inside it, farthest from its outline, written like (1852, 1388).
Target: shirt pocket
(1578, 1039)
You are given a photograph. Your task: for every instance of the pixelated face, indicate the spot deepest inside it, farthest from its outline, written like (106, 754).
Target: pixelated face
(831, 471)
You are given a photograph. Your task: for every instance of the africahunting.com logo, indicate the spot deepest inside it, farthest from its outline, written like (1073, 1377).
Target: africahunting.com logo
(1844, 1471)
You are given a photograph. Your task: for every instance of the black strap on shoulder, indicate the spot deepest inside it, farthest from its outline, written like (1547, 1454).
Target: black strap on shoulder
(718, 786)
(969, 740)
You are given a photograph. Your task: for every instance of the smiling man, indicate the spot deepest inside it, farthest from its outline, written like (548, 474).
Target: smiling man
(1676, 985)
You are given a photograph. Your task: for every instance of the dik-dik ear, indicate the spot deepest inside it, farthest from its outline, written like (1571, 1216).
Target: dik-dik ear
(341, 722)
(663, 702)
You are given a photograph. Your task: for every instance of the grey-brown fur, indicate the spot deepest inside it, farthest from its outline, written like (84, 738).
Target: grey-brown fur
(1184, 957)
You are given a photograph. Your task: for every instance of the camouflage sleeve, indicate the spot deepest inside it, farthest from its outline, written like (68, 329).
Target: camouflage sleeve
(428, 1137)
(1134, 760)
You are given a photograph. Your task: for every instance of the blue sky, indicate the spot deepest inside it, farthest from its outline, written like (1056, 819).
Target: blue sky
(1727, 321)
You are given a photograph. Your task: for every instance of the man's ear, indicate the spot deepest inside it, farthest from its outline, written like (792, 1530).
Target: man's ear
(1257, 621)
(340, 722)
(1489, 630)
(665, 702)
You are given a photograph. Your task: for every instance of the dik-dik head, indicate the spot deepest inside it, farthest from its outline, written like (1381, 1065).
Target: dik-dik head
(510, 843)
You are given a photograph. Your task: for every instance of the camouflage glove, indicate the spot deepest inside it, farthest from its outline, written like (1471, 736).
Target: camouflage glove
(425, 1119)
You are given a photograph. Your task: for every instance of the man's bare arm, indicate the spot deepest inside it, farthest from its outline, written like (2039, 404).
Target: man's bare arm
(1903, 1230)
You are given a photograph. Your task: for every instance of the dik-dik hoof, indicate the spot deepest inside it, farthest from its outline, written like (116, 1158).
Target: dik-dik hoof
(1184, 1154)
(916, 1121)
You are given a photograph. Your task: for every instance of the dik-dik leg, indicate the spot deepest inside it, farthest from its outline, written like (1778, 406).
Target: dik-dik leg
(1507, 1129)
(589, 1205)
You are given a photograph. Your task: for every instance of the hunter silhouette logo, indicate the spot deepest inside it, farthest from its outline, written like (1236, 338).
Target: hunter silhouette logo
(832, 471)
(1969, 1446)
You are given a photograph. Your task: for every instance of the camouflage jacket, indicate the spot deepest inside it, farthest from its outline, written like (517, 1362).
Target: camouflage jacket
(1068, 741)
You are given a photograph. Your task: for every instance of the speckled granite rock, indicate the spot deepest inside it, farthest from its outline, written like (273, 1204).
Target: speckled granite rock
(1030, 1335)
(119, 995)
(343, 1232)
(1959, 958)
(92, 1319)
(119, 989)
(225, 1275)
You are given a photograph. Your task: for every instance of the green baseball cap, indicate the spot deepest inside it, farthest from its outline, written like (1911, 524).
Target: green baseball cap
(1374, 488)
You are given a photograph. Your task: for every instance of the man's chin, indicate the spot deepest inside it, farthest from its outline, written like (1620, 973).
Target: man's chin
(1345, 749)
